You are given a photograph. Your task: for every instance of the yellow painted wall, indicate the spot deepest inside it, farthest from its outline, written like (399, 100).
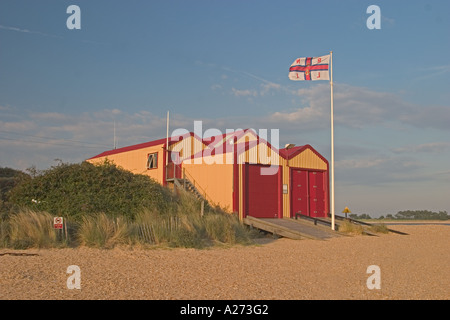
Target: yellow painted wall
(216, 180)
(136, 161)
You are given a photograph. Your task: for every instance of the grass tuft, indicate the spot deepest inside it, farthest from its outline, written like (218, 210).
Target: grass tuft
(351, 228)
(102, 231)
(31, 229)
(379, 228)
(182, 223)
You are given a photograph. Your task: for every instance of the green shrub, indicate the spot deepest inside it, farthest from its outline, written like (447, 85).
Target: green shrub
(9, 178)
(74, 190)
(105, 206)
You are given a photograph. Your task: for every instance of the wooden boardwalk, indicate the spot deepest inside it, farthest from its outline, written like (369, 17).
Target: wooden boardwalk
(291, 228)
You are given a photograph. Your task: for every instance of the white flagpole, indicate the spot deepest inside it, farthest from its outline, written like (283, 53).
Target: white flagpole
(114, 141)
(167, 141)
(332, 143)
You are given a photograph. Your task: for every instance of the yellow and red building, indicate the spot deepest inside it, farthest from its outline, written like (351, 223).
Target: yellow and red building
(238, 171)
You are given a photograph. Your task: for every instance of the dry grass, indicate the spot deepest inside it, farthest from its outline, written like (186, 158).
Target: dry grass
(183, 225)
(102, 231)
(351, 228)
(31, 229)
(379, 228)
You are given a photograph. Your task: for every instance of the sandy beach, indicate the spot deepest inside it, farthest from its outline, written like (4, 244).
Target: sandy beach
(413, 266)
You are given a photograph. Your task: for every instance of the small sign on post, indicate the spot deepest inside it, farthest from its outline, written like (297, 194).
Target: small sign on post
(58, 222)
(346, 210)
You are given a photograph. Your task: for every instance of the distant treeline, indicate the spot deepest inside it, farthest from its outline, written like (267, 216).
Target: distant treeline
(408, 215)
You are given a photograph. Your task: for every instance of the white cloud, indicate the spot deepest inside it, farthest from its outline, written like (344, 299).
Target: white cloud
(431, 72)
(216, 87)
(38, 138)
(436, 117)
(355, 107)
(360, 163)
(267, 87)
(244, 93)
(358, 107)
(432, 147)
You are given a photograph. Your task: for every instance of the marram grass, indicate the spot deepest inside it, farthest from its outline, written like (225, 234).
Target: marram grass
(183, 225)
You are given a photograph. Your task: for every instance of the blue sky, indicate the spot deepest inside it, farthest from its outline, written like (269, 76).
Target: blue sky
(226, 63)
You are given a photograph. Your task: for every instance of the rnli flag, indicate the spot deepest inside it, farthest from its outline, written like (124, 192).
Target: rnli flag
(310, 68)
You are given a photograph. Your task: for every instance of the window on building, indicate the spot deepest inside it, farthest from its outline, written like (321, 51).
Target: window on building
(152, 160)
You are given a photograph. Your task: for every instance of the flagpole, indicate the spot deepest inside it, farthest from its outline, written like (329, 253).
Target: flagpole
(167, 140)
(332, 143)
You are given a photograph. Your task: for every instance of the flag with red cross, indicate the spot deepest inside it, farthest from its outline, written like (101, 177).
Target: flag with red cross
(313, 68)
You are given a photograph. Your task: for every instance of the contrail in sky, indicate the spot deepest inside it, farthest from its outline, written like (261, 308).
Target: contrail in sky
(30, 31)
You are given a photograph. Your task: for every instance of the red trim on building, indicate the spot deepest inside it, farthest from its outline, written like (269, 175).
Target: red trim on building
(172, 140)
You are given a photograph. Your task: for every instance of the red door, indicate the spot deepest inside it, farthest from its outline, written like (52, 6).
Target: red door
(316, 194)
(262, 192)
(308, 194)
(174, 165)
(299, 192)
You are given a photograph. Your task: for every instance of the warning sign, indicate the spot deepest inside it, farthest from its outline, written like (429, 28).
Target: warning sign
(346, 210)
(58, 222)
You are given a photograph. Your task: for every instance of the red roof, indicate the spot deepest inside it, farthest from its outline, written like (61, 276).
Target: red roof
(221, 147)
(142, 145)
(217, 147)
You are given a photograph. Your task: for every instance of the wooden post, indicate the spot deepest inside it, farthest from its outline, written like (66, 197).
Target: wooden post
(65, 229)
(202, 208)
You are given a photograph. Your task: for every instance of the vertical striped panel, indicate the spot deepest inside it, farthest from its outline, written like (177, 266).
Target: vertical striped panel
(260, 154)
(187, 147)
(308, 159)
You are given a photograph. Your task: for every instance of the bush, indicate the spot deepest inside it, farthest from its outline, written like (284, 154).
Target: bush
(74, 190)
(106, 206)
(9, 178)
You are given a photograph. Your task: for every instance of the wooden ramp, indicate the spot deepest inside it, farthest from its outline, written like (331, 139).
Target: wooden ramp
(293, 229)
